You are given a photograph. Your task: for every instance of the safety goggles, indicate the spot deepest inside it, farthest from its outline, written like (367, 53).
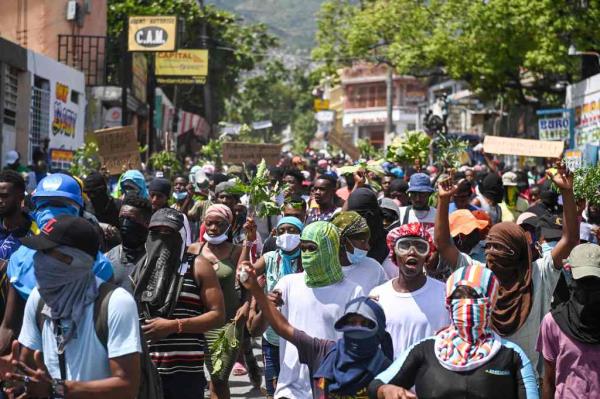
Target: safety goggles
(403, 246)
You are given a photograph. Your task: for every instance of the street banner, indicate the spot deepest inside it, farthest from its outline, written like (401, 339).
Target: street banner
(344, 144)
(118, 148)
(523, 147)
(152, 33)
(573, 159)
(553, 128)
(239, 153)
(61, 159)
(182, 63)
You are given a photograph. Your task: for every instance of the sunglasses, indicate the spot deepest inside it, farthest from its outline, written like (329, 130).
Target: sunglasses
(403, 246)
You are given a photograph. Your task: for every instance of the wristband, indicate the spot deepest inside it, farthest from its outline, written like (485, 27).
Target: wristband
(249, 244)
(58, 389)
(179, 326)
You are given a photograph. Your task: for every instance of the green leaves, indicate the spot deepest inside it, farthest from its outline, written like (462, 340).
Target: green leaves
(586, 185)
(226, 342)
(85, 160)
(412, 150)
(167, 162)
(262, 196)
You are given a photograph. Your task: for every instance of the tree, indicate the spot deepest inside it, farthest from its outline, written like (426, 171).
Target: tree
(234, 47)
(511, 48)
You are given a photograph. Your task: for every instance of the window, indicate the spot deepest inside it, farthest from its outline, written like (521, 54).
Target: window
(74, 97)
(39, 128)
(10, 95)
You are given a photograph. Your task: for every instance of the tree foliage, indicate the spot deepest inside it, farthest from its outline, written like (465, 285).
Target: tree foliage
(234, 47)
(513, 48)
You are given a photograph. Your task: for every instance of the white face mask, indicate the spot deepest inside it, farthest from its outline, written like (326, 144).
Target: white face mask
(216, 240)
(288, 242)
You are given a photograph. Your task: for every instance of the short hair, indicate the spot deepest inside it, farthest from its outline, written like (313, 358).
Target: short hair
(141, 203)
(329, 178)
(13, 177)
(295, 173)
(184, 177)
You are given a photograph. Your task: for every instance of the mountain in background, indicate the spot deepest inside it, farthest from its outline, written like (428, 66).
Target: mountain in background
(293, 21)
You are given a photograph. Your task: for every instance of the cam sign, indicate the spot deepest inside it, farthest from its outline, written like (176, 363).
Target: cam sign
(152, 33)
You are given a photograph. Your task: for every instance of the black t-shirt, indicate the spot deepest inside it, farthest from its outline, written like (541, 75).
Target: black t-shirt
(508, 375)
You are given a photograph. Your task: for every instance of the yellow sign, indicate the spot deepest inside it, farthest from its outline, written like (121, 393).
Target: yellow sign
(152, 33)
(524, 147)
(321, 105)
(182, 63)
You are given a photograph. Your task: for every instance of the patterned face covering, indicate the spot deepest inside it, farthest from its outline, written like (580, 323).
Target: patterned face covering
(321, 267)
(469, 341)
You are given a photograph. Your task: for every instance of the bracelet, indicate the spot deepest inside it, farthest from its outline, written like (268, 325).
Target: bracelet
(249, 244)
(179, 326)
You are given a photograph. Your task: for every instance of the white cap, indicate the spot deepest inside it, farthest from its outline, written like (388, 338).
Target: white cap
(11, 157)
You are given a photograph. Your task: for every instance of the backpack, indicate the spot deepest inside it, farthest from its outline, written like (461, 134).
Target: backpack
(150, 382)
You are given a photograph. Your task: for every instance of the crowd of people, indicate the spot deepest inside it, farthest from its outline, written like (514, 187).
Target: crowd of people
(386, 282)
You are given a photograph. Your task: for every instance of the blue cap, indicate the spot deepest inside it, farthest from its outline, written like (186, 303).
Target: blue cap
(419, 183)
(58, 185)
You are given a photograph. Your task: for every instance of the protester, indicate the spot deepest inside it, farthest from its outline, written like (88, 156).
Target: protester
(57, 194)
(175, 319)
(364, 202)
(386, 181)
(569, 338)
(512, 205)
(293, 178)
(12, 161)
(132, 182)
(463, 197)
(419, 191)
(182, 197)
(357, 265)
(465, 359)
(101, 205)
(320, 293)
(336, 367)
(391, 214)
(217, 252)
(134, 218)
(398, 192)
(14, 225)
(465, 230)
(323, 205)
(413, 302)
(160, 191)
(75, 363)
(274, 265)
(526, 286)
(490, 193)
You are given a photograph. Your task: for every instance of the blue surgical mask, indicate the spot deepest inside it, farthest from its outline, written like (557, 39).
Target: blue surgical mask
(547, 247)
(179, 196)
(43, 214)
(357, 256)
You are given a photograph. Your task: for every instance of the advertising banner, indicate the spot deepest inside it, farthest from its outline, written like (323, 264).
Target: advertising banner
(553, 128)
(182, 63)
(118, 148)
(239, 153)
(152, 33)
(523, 147)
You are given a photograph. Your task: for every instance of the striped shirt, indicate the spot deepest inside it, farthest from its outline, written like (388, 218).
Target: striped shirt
(182, 353)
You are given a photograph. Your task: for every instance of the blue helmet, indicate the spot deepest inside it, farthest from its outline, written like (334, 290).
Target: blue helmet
(58, 185)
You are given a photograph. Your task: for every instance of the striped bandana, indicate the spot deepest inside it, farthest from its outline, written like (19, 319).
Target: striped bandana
(469, 341)
(322, 267)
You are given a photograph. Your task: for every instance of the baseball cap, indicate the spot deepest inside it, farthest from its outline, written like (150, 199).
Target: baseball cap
(419, 183)
(462, 221)
(547, 226)
(72, 231)
(585, 261)
(509, 179)
(11, 157)
(167, 217)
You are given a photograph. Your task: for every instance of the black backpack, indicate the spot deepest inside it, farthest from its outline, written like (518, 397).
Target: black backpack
(150, 382)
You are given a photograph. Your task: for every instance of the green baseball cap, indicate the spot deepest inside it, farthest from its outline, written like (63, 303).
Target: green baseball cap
(585, 261)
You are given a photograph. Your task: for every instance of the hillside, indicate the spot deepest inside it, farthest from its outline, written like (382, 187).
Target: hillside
(292, 20)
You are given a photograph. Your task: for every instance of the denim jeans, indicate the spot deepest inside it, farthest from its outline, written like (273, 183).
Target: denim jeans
(271, 361)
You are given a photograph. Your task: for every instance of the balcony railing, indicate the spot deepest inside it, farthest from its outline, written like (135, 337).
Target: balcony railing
(85, 53)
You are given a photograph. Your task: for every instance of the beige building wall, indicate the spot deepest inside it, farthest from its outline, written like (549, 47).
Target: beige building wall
(36, 24)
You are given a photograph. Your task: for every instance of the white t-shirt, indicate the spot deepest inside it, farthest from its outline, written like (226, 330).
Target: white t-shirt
(544, 277)
(314, 311)
(368, 274)
(426, 218)
(412, 316)
(86, 358)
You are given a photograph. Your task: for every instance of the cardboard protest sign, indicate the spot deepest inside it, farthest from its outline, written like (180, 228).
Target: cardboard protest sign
(118, 148)
(239, 153)
(523, 147)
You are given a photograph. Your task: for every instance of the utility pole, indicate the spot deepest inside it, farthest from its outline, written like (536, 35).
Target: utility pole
(389, 100)
(125, 72)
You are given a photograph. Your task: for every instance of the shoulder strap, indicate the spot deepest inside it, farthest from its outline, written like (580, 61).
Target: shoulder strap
(101, 312)
(407, 214)
(39, 317)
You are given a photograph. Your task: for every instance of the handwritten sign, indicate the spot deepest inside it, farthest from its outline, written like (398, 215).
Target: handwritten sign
(239, 153)
(523, 147)
(118, 148)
